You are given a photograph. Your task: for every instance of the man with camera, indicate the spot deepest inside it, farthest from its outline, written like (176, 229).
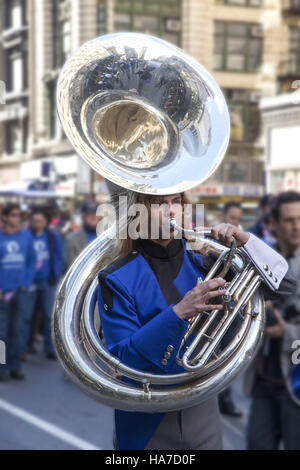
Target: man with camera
(275, 409)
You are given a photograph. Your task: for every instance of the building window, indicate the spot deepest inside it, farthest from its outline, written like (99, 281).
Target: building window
(240, 171)
(14, 141)
(154, 17)
(53, 120)
(244, 114)
(25, 134)
(237, 46)
(61, 32)
(294, 50)
(15, 70)
(15, 14)
(236, 171)
(290, 6)
(102, 17)
(244, 3)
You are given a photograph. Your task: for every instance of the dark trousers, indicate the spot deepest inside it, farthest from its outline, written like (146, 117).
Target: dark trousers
(225, 395)
(11, 328)
(42, 297)
(273, 418)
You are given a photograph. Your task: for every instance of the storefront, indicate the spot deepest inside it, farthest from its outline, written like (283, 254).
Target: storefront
(214, 196)
(281, 118)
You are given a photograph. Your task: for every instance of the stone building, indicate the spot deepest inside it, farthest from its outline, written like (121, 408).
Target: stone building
(281, 129)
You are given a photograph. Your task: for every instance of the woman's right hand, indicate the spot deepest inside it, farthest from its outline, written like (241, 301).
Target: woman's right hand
(197, 299)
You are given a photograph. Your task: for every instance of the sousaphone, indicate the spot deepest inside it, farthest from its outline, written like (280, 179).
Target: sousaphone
(150, 119)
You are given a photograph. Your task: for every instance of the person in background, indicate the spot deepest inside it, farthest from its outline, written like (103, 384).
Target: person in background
(66, 223)
(275, 408)
(49, 267)
(1, 220)
(25, 213)
(231, 214)
(269, 235)
(62, 223)
(17, 270)
(261, 227)
(76, 241)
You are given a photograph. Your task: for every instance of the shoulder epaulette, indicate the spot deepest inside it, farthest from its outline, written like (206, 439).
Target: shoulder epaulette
(121, 262)
(106, 292)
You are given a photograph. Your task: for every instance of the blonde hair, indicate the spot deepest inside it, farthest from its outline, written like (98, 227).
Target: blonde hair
(121, 247)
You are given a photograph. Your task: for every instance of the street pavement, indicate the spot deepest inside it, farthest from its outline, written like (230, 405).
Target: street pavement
(48, 412)
(234, 428)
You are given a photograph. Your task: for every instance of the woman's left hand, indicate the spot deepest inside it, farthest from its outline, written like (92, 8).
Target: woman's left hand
(224, 234)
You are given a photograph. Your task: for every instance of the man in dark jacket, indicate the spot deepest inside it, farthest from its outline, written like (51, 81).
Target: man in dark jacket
(77, 241)
(49, 266)
(275, 407)
(259, 228)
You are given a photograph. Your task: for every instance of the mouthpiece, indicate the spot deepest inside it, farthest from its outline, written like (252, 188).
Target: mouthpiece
(172, 223)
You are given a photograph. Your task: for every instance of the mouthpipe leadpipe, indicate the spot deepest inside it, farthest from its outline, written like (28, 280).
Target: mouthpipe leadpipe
(174, 225)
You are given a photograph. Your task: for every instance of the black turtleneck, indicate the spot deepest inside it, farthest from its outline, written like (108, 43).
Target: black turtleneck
(165, 262)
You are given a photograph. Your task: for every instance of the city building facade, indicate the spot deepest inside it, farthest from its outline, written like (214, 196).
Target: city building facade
(251, 47)
(281, 123)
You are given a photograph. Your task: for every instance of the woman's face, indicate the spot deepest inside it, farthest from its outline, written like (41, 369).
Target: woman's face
(160, 210)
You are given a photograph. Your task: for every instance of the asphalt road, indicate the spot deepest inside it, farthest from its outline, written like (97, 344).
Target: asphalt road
(234, 428)
(48, 412)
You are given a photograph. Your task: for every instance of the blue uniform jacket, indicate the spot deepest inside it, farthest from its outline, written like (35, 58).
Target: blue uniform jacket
(17, 260)
(139, 325)
(56, 250)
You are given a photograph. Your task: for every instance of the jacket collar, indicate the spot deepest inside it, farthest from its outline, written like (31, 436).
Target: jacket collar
(156, 250)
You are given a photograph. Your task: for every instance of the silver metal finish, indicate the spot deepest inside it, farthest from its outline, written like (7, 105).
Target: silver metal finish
(88, 362)
(142, 113)
(238, 294)
(149, 118)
